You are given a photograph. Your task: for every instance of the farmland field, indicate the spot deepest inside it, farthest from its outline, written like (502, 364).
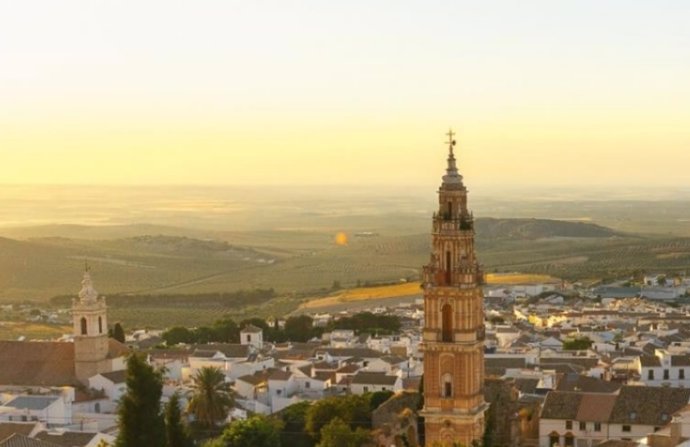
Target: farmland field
(191, 242)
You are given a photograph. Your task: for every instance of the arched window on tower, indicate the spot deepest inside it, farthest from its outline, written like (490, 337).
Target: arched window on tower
(100, 325)
(447, 386)
(450, 210)
(447, 323)
(83, 326)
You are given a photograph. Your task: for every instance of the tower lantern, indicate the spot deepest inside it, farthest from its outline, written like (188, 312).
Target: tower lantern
(453, 334)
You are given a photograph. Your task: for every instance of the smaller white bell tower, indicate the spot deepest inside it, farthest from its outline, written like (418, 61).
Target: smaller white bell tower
(90, 331)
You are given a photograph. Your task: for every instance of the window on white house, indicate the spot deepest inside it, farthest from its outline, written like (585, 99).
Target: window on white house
(366, 389)
(626, 428)
(597, 426)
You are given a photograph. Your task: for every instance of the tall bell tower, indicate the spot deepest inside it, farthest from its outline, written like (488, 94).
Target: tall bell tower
(90, 331)
(453, 335)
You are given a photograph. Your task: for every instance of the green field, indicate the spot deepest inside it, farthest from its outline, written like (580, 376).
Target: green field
(190, 247)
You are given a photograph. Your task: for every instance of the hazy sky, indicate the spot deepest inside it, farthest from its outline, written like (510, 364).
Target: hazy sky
(272, 92)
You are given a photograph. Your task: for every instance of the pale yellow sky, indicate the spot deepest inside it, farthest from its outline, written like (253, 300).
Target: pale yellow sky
(275, 92)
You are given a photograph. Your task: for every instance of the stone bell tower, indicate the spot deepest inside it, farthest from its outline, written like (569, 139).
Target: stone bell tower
(90, 331)
(453, 334)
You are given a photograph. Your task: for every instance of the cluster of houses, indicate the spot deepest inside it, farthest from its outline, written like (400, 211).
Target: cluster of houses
(579, 372)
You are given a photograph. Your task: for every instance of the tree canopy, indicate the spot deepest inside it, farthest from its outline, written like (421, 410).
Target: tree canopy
(211, 397)
(256, 431)
(175, 432)
(139, 413)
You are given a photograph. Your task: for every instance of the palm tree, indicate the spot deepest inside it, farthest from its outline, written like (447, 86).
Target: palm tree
(211, 397)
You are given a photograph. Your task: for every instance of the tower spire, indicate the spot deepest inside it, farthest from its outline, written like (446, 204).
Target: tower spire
(87, 294)
(452, 176)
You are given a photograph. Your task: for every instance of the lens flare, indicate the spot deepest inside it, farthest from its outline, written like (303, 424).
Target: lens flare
(341, 238)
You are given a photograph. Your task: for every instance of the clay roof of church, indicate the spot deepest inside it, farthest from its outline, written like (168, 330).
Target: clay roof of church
(116, 349)
(37, 363)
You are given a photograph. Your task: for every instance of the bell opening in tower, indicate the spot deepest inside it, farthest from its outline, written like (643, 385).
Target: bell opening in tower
(449, 267)
(447, 329)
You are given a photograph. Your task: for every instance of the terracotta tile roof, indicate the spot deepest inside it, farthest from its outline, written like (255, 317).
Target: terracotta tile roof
(582, 362)
(67, 438)
(326, 366)
(373, 378)
(323, 376)
(650, 360)
(348, 369)
(352, 352)
(230, 350)
(596, 407)
(680, 360)
(561, 405)
(162, 354)
(116, 349)
(251, 329)
(18, 440)
(116, 376)
(648, 405)
(9, 428)
(586, 384)
(37, 363)
(527, 386)
(393, 359)
(279, 374)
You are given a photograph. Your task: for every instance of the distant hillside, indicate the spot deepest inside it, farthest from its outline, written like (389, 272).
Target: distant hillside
(516, 229)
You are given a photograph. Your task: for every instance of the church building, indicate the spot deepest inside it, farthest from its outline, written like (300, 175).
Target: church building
(56, 364)
(453, 333)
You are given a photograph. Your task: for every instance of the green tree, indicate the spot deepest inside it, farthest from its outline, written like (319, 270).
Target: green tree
(258, 322)
(119, 333)
(577, 344)
(300, 328)
(338, 433)
(177, 335)
(139, 413)
(211, 397)
(175, 432)
(294, 419)
(203, 334)
(379, 397)
(353, 410)
(226, 331)
(257, 431)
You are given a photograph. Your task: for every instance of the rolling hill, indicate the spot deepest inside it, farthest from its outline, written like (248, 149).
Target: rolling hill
(298, 261)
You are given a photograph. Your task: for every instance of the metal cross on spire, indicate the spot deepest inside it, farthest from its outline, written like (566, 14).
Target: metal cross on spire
(451, 140)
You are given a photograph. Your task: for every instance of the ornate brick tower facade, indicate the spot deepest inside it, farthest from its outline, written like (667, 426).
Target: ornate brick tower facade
(453, 336)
